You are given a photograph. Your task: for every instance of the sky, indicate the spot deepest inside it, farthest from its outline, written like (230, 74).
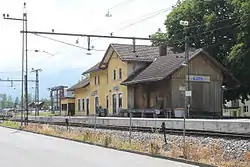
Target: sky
(129, 18)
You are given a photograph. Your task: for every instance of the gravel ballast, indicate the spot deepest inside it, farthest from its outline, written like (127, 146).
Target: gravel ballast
(233, 149)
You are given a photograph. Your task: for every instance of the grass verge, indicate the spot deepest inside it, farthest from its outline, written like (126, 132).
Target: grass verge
(212, 154)
(10, 124)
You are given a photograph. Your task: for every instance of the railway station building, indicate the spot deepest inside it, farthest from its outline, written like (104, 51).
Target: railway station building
(143, 77)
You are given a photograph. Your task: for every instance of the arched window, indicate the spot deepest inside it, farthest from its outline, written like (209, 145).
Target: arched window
(120, 73)
(83, 105)
(114, 74)
(120, 100)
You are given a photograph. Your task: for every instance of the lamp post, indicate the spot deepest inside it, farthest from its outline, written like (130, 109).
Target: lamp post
(187, 91)
(223, 89)
(24, 38)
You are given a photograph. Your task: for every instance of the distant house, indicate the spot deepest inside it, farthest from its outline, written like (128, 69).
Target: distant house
(236, 108)
(139, 77)
(77, 104)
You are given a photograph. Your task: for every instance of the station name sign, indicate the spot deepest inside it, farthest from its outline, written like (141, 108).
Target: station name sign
(198, 78)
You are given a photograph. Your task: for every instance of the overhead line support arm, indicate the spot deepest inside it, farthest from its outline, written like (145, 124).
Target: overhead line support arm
(90, 35)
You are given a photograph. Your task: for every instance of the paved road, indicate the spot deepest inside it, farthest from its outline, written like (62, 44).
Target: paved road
(22, 149)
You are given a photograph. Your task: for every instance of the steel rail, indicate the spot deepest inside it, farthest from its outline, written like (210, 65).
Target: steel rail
(239, 136)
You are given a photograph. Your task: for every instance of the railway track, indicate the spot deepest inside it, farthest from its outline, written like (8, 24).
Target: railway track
(238, 136)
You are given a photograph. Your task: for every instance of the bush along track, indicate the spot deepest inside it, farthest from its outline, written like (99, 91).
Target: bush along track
(211, 154)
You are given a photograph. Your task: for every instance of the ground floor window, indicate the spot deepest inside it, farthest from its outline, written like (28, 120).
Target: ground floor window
(120, 100)
(83, 105)
(96, 104)
(245, 108)
(87, 106)
(107, 102)
(114, 103)
(79, 104)
(64, 107)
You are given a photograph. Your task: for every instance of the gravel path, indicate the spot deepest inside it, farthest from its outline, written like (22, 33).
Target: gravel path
(231, 148)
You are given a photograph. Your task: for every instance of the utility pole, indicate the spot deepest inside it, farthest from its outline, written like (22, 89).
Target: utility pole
(23, 19)
(26, 63)
(51, 100)
(37, 89)
(187, 91)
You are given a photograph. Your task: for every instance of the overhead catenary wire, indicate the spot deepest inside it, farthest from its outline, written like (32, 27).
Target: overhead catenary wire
(5, 72)
(66, 43)
(120, 4)
(115, 6)
(216, 29)
(197, 25)
(142, 19)
(179, 41)
(68, 34)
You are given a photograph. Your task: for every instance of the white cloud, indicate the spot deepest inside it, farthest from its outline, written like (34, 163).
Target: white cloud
(76, 16)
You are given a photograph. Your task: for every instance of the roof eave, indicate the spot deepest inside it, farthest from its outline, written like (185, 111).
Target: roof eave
(73, 88)
(136, 60)
(67, 98)
(142, 81)
(90, 71)
(106, 53)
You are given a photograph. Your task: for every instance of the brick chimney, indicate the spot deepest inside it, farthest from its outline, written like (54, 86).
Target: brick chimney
(163, 50)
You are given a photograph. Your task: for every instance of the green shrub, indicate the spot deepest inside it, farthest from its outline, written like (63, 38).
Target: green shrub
(107, 140)
(10, 124)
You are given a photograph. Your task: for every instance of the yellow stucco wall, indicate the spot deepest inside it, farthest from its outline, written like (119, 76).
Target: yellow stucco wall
(64, 101)
(82, 93)
(67, 100)
(105, 88)
(97, 90)
(107, 84)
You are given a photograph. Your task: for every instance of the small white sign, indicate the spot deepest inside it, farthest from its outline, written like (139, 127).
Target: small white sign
(188, 93)
(157, 112)
(184, 23)
(182, 88)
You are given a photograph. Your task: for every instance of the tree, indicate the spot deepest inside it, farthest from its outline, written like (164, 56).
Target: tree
(30, 98)
(10, 103)
(239, 58)
(17, 102)
(3, 100)
(46, 103)
(6, 101)
(218, 26)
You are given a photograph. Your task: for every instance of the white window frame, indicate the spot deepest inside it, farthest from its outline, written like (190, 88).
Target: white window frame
(78, 104)
(108, 101)
(120, 72)
(114, 75)
(98, 79)
(245, 106)
(95, 104)
(86, 104)
(114, 93)
(83, 105)
(107, 77)
(118, 99)
(95, 80)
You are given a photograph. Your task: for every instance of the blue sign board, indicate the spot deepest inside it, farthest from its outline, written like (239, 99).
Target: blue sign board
(197, 78)
(116, 88)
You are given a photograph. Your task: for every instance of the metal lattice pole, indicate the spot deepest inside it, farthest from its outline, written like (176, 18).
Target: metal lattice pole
(37, 89)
